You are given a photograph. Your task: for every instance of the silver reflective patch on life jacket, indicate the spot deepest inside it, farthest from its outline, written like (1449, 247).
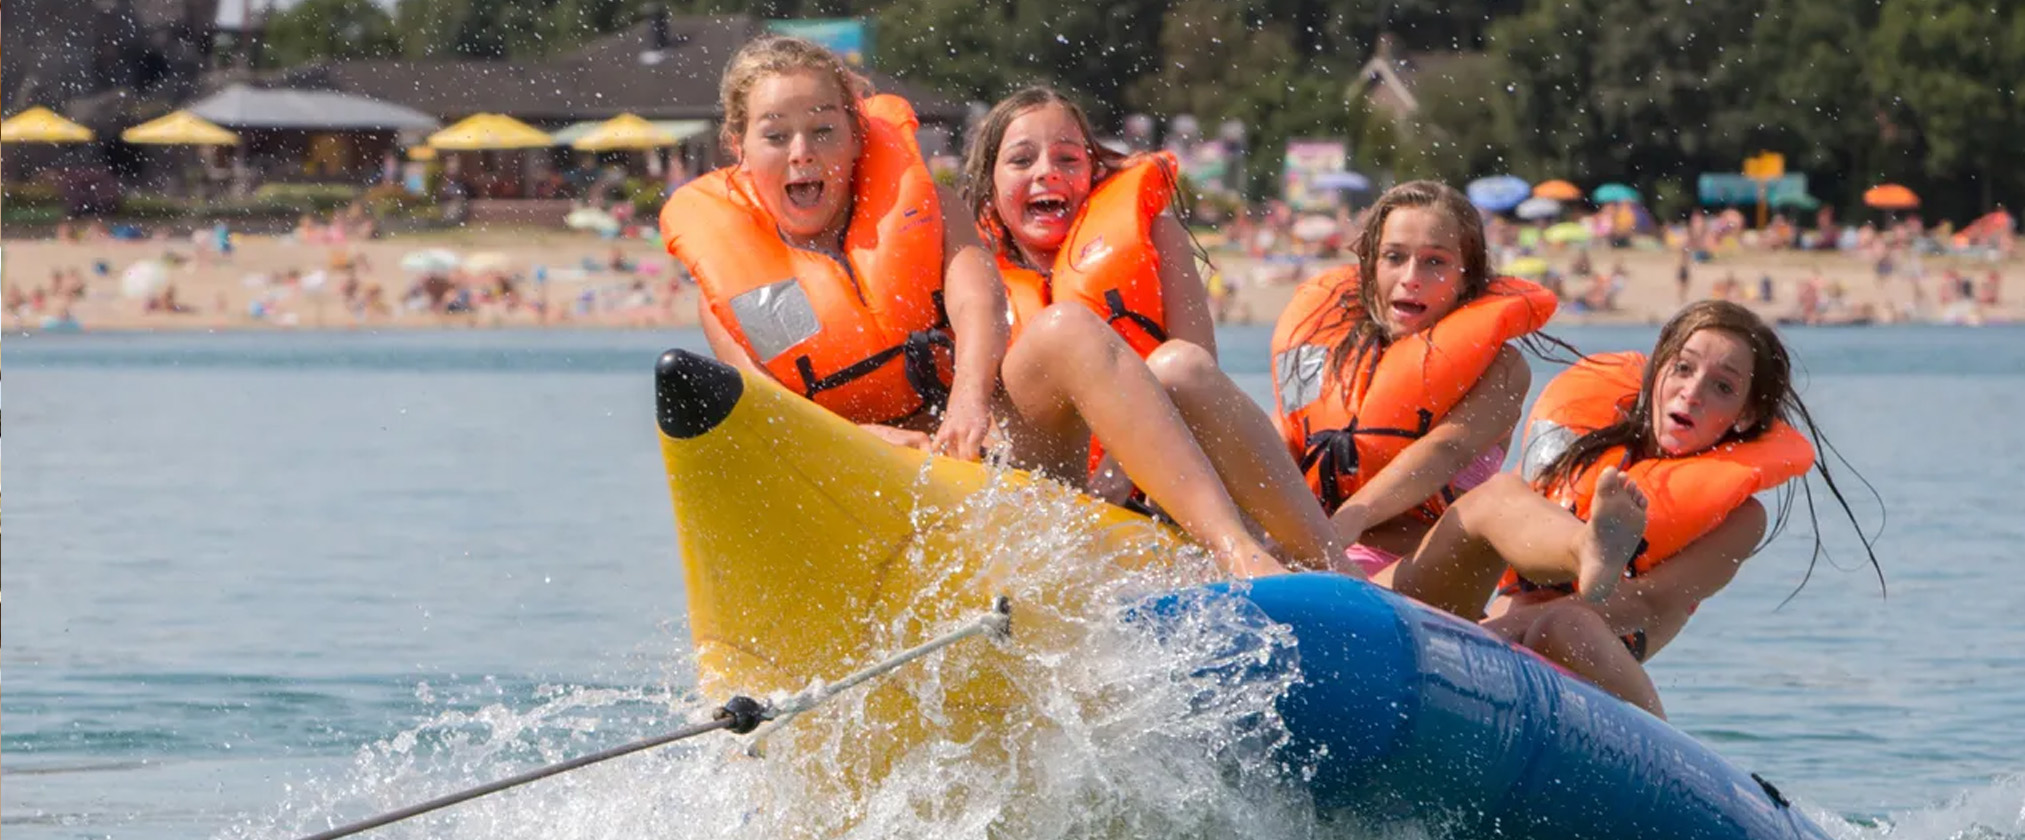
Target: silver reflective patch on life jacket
(775, 318)
(1545, 441)
(1298, 372)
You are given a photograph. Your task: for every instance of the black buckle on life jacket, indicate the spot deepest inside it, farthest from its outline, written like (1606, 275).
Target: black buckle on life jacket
(917, 355)
(1332, 453)
(1115, 301)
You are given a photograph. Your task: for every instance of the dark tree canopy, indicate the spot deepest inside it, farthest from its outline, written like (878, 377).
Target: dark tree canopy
(1648, 92)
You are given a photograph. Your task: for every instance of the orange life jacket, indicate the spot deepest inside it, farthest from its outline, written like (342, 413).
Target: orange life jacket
(1344, 432)
(868, 339)
(1686, 497)
(1108, 262)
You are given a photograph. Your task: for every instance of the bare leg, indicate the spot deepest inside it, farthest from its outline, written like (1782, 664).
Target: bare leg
(1503, 522)
(1247, 453)
(1070, 375)
(1574, 635)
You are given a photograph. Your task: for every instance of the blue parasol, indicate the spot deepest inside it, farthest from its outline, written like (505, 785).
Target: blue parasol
(1499, 193)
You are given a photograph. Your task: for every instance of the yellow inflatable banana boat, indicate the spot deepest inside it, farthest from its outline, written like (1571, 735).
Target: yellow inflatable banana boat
(810, 547)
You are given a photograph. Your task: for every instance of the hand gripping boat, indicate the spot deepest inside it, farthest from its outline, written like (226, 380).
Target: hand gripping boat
(810, 547)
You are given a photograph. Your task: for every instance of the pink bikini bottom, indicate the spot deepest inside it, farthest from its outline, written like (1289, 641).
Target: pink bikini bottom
(1371, 560)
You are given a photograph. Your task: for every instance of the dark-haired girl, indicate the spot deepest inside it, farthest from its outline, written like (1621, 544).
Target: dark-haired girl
(1634, 502)
(1083, 234)
(1395, 379)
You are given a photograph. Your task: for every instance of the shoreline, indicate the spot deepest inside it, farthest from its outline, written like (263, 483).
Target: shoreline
(556, 279)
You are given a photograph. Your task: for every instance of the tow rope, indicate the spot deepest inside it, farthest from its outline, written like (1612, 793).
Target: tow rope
(740, 715)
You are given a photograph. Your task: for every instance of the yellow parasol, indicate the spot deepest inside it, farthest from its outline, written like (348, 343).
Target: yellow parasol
(181, 128)
(489, 131)
(625, 131)
(421, 153)
(41, 125)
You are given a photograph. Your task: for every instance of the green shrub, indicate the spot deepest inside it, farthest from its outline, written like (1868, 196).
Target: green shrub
(393, 201)
(646, 195)
(17, 214)
(306, 198)
(27, 194)
(152, 207)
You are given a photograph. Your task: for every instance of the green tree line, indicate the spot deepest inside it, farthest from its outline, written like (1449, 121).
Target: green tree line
(1929, 93)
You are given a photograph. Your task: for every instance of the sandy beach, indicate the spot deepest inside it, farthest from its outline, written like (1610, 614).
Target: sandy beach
(530, 277)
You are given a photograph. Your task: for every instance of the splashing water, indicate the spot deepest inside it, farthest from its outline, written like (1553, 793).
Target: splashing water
(1118, 726)
(1121, 726)
(1992, 812)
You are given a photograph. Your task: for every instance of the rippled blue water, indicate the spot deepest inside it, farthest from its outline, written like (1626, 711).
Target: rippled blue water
(231, 562)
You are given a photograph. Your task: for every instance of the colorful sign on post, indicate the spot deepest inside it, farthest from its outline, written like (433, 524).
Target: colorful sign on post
(1724, 188)
(1765, 166)
(1307, 159)
(849, 38)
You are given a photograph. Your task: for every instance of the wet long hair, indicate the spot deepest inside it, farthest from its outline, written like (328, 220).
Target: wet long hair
(1772, 399)
(772, 55)
(1364, 343)
(980, 191)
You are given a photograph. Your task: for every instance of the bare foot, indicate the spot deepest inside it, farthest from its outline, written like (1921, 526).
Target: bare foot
(1616, 524)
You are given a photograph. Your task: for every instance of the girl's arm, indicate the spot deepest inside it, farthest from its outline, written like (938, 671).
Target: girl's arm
(1485, 416)
(974, 296)
(1183, 298)
(722, 345)
(1660, 601)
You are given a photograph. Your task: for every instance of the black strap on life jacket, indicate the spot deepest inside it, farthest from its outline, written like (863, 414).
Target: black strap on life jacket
(1524, 585)
(1332, 453)
(1115, 301)
(917, 355)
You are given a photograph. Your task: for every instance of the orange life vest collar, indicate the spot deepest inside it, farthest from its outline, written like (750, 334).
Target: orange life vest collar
(1686, 497)
(866, 337)
(1343, 432)
(1108, 262)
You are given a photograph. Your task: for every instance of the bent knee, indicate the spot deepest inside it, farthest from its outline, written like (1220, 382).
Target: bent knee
(1068, 319)
(1567, 629)
(1180, 364)
(1494, 491)
(1068, 329)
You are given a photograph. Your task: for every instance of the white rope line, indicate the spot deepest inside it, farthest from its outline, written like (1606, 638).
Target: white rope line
(997, 622)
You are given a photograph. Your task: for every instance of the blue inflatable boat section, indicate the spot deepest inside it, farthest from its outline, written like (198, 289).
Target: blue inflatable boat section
(1405, 713)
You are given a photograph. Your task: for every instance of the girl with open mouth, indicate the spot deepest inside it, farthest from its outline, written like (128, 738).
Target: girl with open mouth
(1397, 382)
(1085, 235)
(1635, 500)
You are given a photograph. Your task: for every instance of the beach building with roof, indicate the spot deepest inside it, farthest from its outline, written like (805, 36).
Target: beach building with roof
(1391, 79)
(352, 122)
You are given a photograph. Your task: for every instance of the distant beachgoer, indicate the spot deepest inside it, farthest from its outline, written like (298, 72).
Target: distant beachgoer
(1809, 299)
(17, 304)
(1683, 275)
(1634, 500)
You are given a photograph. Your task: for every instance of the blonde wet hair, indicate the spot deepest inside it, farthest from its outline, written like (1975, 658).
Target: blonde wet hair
(774, 55)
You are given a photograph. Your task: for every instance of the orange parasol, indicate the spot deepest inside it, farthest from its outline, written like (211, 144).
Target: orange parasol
(1890, 197)
(1558, 190)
